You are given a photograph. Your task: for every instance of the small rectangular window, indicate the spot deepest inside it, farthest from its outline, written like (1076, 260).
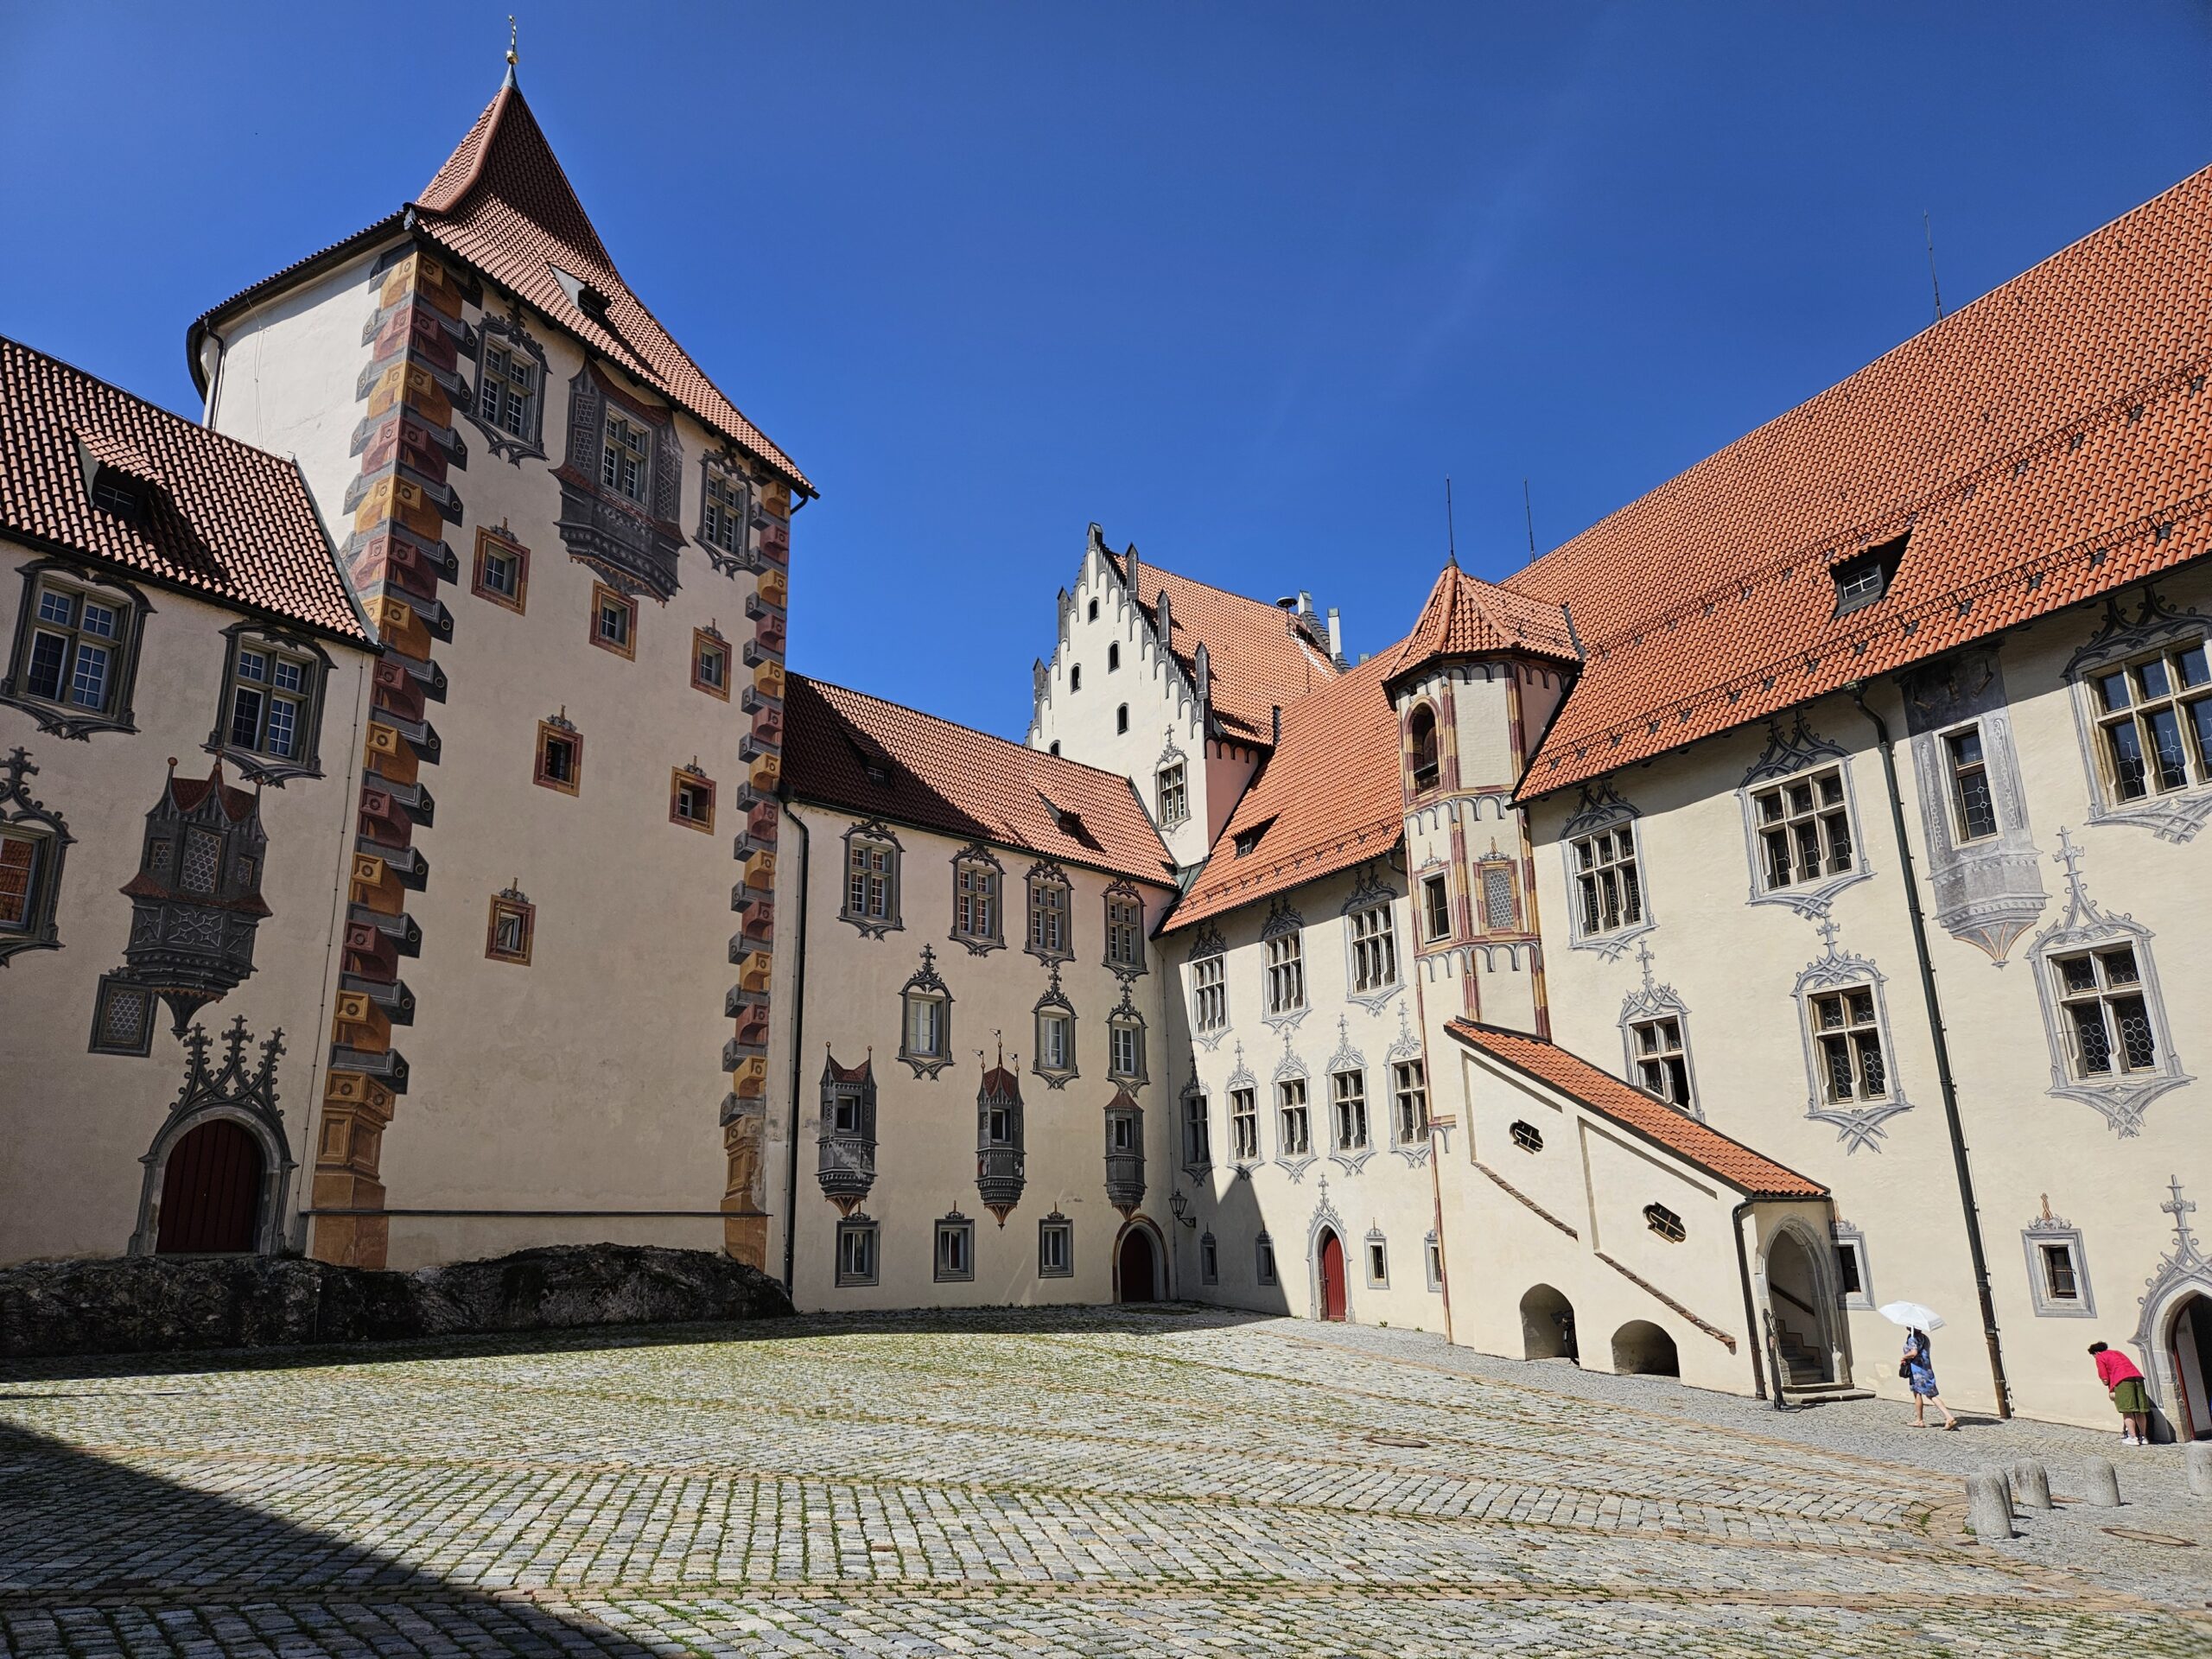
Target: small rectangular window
(956, 1240)
(1245, 1124)
(710, 664)
(23, 866)
(1848, 1036)
(1373, 951)
(1209, 995)
(1198, 1133)
(1378, 1263)
(1055, 1042)
(509, 935)
(1501, 910)
(623, 467)
(1662, 1064)
(1436, 908)
(1055, 1249)
(1295, 1130)
(856, 1252)
(2060, 1282)
(73, 659)
(613, 621)
(1264, 1255)
(1209, 1260)
(1974, 811)
(1048, 917)
(1851, 1272)
(1435, 1251)
(502, 573)
(1409, 1092)
(1348, 1109)
(1804, 829)
(691, 799)
(1286, 974)
(925, 1026)
(560, 756)
(1125, 1051)
(1173, 795)
(1608, 893)
(507, 395)
(122, 1017)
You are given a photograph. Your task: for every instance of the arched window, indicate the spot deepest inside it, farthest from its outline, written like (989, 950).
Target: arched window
(1075, 677)
(1113, 657)
(1422, 729)
(1121, 718)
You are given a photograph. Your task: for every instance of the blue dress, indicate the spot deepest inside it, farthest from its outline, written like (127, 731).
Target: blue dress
(1923, 1378)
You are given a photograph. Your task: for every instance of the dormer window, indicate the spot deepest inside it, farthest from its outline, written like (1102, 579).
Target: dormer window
(114, 492)
(1248, 840)
(1865, 577)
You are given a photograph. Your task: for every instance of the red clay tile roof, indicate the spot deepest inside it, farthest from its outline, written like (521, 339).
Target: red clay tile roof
(502, 206)
(1749, 1172)
(1466, 617)
(2047, 443)
(1329, 797)
(946, 778)
(222, 519)
(1258, 661)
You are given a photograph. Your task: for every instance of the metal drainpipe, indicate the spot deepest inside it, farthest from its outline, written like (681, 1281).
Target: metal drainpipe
(1751, 1312)
(798, 1046)
(1948, 1085)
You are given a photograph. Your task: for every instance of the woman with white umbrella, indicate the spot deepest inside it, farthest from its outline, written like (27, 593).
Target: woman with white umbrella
(1918, 1364)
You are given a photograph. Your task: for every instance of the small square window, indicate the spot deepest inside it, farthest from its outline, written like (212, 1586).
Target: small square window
(560, 756)
(710, 664)
(502, 573)
(856, 1252)
(512, 929)
(122, 1017)
(613, 621)
(1263, 1250)
(691, 799)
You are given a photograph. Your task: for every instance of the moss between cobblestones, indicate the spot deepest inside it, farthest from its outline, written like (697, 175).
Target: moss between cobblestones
(167, 1305)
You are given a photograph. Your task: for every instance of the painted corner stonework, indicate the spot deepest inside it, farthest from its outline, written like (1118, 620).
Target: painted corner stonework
(396, 558)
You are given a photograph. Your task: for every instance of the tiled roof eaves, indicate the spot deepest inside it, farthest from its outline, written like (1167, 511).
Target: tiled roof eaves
(1155, 877)
(2151, 550)
(322, 258)
(1355, 846)
(1471, 1032)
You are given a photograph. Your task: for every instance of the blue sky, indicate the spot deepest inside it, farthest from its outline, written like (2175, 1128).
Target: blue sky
(1242, 283)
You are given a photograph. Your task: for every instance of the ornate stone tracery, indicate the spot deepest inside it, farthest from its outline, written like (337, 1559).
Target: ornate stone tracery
(233, 1093)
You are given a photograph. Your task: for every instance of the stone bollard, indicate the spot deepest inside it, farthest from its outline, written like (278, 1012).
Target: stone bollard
(2032, 1482)
(1989, 1512)
(2100, 1484)
(2199, 1468)
(2002, 1476)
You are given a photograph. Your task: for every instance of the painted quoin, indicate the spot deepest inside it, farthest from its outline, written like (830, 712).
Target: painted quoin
(1774, 901)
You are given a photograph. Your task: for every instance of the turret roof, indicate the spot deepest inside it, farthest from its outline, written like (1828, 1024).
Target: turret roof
(1467, 617)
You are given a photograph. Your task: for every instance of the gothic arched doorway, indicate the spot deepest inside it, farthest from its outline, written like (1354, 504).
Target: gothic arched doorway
(1800, 1300)
(1138, 1269)
(211, 1192)
(1333, 1274)
(2189, 1347)
(1548, 1325)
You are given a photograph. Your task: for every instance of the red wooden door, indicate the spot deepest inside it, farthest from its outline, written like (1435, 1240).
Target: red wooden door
(1332, 1277)
(210, 1192)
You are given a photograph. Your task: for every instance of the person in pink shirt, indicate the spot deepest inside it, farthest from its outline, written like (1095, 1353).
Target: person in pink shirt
(2129, 1397)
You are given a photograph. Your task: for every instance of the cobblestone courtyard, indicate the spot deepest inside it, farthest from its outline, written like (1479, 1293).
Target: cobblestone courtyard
(1095, 1482)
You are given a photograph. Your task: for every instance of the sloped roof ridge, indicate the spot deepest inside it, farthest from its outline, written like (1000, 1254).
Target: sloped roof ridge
(1952, 323)
(1688, 1138)
(819, 684)
(1855, 538)
(496, 125)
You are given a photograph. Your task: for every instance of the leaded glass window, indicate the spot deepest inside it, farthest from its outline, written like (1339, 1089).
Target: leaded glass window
(1804, 829)
(2108, 1024)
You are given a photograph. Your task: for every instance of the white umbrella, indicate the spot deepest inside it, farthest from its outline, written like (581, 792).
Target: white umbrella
(1912, 1316)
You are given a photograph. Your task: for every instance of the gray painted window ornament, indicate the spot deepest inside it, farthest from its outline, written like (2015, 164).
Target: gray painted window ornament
(1843, 1014)
(2143, 709)
(2097, 983)
(34, 842)
(1372, 974)
(1054, 1056)
(1293, 1087)
(1801, 821)
(873, 852)
(925, 1020)
(1352, 1138)
(507, 403)
(1982, 860)
(2058, 1267)
(1608, 901)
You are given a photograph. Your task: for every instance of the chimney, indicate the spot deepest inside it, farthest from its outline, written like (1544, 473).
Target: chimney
(1336, 638)
(1305, 603)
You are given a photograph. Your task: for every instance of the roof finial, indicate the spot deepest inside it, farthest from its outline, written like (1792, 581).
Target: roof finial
(513, 56)
(1451, 540)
